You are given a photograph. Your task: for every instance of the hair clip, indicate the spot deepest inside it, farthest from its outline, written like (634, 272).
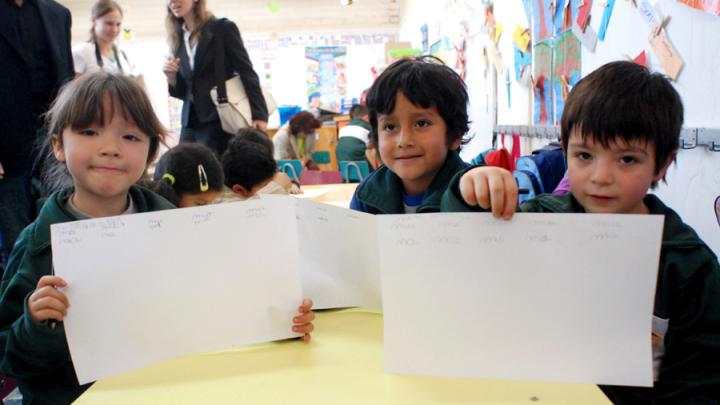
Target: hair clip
(170, 177)
(204, 186)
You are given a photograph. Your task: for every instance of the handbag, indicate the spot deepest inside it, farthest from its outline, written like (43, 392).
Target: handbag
(229, 97)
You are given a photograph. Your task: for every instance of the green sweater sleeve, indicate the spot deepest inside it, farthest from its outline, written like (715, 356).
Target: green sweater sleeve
(27, 348)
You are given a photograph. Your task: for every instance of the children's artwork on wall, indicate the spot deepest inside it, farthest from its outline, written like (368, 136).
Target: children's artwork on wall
(424, 37)
(566, 69)
(523, 63)
(542, 20)
(521, 36)
(528, 10)
(605, 19)
(641, 59)
(542, 72)
(709, 6)
(669, 57)
(583, 16)
(326, 75)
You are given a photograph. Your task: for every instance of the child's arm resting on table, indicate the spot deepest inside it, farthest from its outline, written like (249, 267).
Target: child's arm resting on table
(490, 188)
(302, 323)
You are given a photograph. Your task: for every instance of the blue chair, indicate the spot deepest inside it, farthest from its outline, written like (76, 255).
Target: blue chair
(321, 157)
(361, 170)
(292, 168)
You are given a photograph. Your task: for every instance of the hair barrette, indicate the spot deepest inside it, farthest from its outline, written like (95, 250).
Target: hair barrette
(204, 186)
(170, 178)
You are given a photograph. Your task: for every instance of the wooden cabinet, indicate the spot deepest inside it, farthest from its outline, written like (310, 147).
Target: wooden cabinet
(327, 141)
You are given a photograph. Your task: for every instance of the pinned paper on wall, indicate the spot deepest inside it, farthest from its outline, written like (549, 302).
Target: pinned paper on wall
(583, 18)
(523, 63)
(522, 38)
(566, 69)
(498, 32)
(587, 38)
(542, 71)
(669, 57)
(709, 6)
(496, 58)
(648, 13)
(641, 59)
(605, 19)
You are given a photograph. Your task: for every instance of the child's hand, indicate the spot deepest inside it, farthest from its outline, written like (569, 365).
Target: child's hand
(491, 188)
(303, 322)
(47, 302)
(295, 189)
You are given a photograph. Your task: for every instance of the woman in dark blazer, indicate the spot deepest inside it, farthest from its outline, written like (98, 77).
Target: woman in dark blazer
(192, 34)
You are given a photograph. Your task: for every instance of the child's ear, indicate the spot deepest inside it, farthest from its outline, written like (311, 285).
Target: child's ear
(661, 173)
(455, 144)
(238, 189)
(57, 147)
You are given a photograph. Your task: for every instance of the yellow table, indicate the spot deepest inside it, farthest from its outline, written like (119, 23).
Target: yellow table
(342, 365)
(335, 194)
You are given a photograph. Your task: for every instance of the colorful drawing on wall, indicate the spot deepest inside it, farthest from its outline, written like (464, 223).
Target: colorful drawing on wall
(542, 20)
(326, 75)
(523, 63)
(527, 5)
(566, 69)
(542, 72)
(710, 6)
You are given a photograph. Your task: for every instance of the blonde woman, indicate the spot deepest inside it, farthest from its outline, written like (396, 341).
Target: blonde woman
(101, 52)
(193, 35)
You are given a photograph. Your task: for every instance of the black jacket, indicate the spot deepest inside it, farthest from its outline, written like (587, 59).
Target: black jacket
(193, 86)
(17, 119)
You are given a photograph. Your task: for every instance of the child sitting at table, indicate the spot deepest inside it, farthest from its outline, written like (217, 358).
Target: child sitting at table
(250, 169)
(620, 131)
(188, 175)
(418, 115)
(353, 137)
(103, 133)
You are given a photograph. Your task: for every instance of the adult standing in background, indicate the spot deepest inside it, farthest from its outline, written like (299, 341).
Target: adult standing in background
(192, 35)
(35, 61)
(101, 52)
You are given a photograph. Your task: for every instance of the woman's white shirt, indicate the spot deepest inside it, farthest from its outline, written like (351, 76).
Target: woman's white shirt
(189, 47)
(85, 61)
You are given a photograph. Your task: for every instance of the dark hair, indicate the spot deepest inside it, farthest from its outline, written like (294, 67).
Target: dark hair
(248, 160)
(99, 9)
(305, 122)
(624, 100)
(80, 104)
(358, 111)
(426, 82)
(178, 172)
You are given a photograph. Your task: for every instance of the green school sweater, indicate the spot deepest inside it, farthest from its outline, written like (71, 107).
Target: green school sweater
(34, 354)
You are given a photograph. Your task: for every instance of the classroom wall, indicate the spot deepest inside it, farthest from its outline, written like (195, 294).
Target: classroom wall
(694, 182)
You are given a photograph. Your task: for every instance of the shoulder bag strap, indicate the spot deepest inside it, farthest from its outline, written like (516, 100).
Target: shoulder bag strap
(219, 64)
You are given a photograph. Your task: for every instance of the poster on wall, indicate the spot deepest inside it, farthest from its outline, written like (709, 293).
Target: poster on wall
(542, 72)
(326, 78)
(709, 6)
(566, 69)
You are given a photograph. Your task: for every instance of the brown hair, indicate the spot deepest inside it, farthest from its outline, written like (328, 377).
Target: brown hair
(305, 122)
(80, 104)
(173, 25)
(99, 9)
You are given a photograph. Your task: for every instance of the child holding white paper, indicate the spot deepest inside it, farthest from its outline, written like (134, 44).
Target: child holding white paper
(188, 175)
(103, 131)
(620, 131)
(418, 115)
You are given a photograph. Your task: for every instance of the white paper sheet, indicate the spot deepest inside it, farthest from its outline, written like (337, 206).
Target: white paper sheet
(549, 297)
(338, 253)
(148, 287)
